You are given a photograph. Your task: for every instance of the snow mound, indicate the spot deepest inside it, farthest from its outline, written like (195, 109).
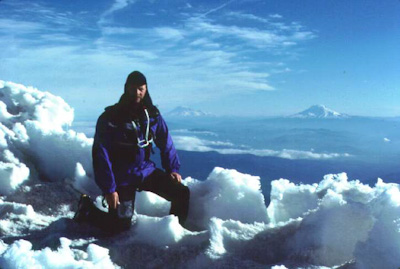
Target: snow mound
(226, 194)
(337, 221)
(35, 140)
(17, 219)
(21, 255)
(331, 223)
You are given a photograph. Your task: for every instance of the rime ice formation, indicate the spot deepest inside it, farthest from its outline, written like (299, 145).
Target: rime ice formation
(35, 140)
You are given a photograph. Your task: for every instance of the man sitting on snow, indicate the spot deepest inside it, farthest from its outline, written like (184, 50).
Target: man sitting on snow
(121, 158)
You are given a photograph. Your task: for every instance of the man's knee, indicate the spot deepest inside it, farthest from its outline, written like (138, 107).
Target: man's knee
(185, 193)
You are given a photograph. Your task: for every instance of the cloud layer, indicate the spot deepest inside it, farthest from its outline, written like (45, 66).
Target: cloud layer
(192, 143)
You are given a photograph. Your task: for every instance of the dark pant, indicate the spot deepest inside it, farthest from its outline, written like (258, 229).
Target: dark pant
(159, 183)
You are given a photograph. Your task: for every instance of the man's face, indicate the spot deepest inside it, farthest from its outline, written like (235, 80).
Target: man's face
(137, 93)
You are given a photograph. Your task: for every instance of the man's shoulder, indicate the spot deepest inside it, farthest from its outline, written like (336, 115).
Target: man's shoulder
(110, 114)
(154, 112)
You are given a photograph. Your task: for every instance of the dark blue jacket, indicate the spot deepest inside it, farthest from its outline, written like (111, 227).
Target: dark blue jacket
(117, 160)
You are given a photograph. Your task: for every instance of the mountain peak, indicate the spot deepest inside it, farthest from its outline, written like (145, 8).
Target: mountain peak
(183, 111)
(319, 112)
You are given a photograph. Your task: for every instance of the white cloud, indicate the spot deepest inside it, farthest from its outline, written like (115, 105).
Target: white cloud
(217, 8)
(45, 14)
(190, 143)
(282, 70)
(300, 36)
(249, 83)
(251, 80)
(110, 30)
(58, 37)
(169, 33)
(247, 16)
(12, 26)
(252, 36)
(276, 16)
(117, 5)
(216, 56)
(185, 131)
(206, 43)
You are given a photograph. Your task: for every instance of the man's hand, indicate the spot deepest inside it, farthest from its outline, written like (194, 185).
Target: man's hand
(112, 200)
(176, 176)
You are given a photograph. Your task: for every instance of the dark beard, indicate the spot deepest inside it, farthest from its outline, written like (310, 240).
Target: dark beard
(129, 105)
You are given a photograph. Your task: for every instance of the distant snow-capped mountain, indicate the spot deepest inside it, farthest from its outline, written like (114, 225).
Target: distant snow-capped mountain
(182, 111)
(319, 112)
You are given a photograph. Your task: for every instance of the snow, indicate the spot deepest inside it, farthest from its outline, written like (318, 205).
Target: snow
(319, 112)
(216, 196)
(336, 222)
(17, 219)
(187, 112)
(35, 140)
(21, 255)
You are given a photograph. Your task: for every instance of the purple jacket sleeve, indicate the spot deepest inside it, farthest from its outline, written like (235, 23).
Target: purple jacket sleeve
(169, 157)
(102, 165)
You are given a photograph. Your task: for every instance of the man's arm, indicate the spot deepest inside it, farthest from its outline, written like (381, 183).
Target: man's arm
(102, 165)
(169, 157)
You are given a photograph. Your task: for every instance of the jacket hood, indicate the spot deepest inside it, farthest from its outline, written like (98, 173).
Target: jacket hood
(126, 108)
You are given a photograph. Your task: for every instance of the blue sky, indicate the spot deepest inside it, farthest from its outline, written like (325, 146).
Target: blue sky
(244, 57)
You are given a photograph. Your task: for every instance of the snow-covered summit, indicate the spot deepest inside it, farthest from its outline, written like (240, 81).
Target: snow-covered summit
(182, 111)
(319, 112)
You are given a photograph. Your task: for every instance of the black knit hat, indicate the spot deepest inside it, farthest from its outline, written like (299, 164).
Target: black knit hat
(135, 78)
